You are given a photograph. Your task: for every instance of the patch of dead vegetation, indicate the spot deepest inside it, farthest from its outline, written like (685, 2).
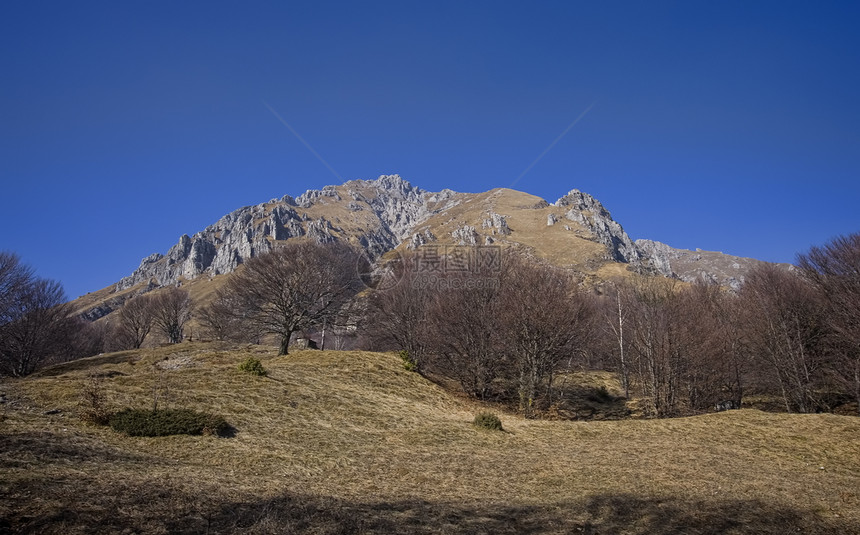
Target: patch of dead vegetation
(174, 362)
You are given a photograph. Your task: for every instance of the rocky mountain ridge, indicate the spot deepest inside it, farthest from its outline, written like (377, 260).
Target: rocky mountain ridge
(389, 213)
(396, 207)
(690, 266)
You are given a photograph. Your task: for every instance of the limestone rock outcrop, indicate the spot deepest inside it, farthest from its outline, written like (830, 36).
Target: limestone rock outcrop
(498, 224)
(588, 212)
(466, 235)
(698, 266)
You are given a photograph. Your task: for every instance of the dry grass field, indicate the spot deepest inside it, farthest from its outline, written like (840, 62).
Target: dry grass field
(349, 442)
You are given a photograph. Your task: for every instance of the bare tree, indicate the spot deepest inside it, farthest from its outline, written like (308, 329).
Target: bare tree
(499, 329)
(784, 323)
(834, 269)
(657, 359)
(134, 323)
(398, 315)
(709, 361)
(719, 358)
(464, 325)
(171, 310)
(545, 320)
(224, 319)
(14, 278)
(34, 328)
(295, 287)
(86, 338)
(615, 314)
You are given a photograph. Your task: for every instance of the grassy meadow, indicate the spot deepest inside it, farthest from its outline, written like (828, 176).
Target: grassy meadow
(350, 442)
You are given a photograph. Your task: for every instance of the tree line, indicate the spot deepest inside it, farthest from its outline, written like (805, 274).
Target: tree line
(790, 335)
(505, 330)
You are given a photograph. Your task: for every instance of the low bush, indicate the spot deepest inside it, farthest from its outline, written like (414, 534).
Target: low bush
(408, 364)
(488, 420)
(601, 395)
(159, 423)
(92, 405)
(253, 366)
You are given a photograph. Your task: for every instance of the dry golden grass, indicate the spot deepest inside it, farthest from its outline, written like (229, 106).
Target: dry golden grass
(574, 248)
(561, 247)
(349, 442)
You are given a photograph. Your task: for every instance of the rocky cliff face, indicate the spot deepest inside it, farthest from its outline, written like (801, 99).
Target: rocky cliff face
(588, 212)
(698, 266)
(398, 205)
(221, 247)
(390, 208)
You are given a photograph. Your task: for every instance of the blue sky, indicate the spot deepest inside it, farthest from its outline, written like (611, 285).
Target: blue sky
(730, 126)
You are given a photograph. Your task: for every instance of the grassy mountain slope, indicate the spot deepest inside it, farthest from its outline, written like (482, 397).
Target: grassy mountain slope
(526, 216)
(345, 442)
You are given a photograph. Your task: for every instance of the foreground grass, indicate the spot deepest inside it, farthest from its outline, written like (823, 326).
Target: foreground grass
(346, 442)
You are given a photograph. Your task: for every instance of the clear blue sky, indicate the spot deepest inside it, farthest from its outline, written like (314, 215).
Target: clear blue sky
(731, 126)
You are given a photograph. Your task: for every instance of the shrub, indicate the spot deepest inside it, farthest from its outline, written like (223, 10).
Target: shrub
(147, 423)
(601, 395)
(408, 364)
(488, 420)
(93, 406)
(253, 366)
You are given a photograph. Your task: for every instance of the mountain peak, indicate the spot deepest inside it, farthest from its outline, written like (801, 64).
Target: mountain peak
(395, 184)
(591, 214)
(581, 201)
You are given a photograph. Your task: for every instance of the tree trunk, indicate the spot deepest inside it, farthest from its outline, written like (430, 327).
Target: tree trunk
(625, 378)
(285, 344)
